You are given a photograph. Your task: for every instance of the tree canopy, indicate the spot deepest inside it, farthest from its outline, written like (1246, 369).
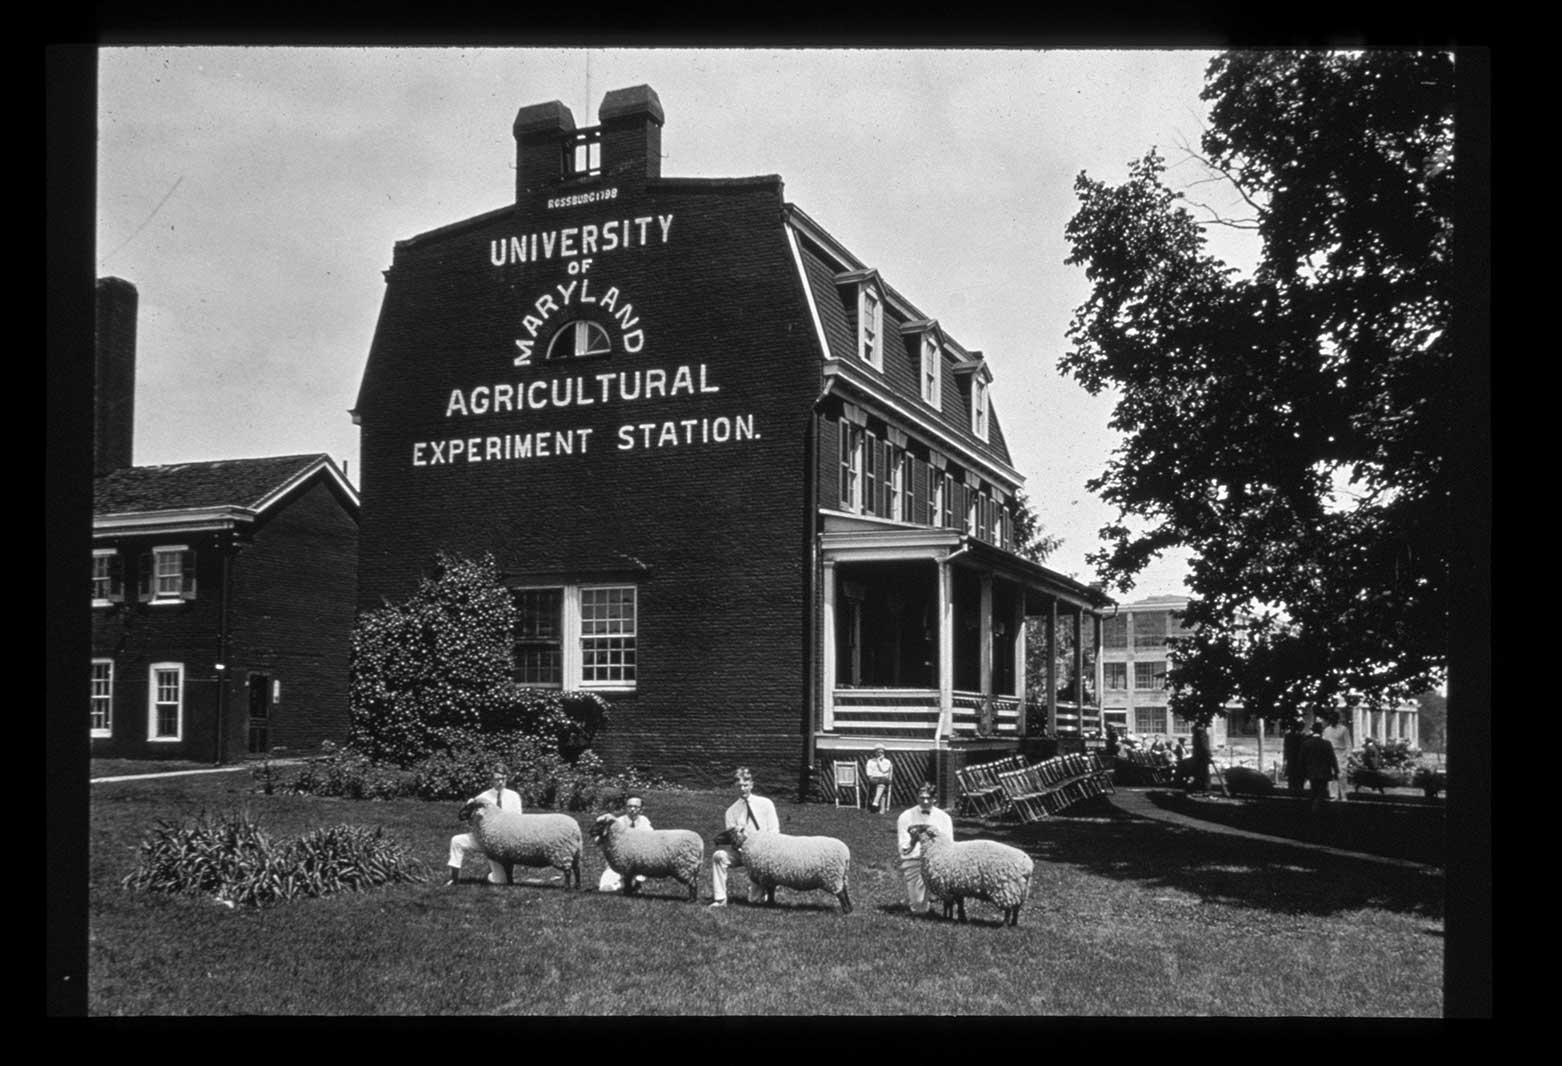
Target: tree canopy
(1288, 425)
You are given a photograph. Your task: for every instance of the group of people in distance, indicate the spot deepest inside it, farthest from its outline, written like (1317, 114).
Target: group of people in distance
(1316, 761)
(1192, 768)
(751, 812)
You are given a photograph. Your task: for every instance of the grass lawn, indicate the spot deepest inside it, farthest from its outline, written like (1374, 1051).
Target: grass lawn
(1126, 917)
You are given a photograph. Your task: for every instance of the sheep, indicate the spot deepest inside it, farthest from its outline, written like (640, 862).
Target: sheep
(675, 853)
(510, 838)
(984, 869)
(804, 863)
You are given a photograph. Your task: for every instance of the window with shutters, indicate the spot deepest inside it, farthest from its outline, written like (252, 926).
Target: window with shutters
(168, 574)
(870, 474)
(102, 713)
(851, 467)
(107, 581)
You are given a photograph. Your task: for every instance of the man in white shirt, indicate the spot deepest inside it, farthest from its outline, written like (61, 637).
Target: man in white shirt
(754, 814)
(924, 813)
(632, 818)
(1337, 733)
(464, 843)
(880, 773)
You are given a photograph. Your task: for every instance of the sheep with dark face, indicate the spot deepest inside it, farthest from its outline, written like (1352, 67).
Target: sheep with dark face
(512, 839)
(675, 853)
(803, 863)
(982, 869)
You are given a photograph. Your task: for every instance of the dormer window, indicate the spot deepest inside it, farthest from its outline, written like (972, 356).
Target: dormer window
(870, 327)
(979, 407)
(932, 371)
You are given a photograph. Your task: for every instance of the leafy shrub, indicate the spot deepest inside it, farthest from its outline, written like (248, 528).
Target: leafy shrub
(568, 722)
(347, 772)
(542, 776)
(232, 858)
(1246, 781)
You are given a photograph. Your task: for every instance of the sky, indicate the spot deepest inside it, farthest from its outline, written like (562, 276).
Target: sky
(254, 195)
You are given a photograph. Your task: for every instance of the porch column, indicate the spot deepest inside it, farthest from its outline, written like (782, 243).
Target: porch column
(987, 634)
(946, 655)
(1020, 675)
(1052, 667)
(827, 660)
(1079, 664)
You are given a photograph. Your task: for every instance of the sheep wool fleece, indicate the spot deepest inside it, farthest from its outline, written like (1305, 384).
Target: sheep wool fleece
(764, 820)
(610, 880)
(464, 844)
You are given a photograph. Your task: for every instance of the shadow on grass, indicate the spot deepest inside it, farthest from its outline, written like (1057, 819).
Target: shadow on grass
(1214, 866)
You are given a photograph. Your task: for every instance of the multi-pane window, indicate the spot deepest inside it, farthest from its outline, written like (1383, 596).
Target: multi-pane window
(102, 714)
(870, 474)
(970, 512)
(167, 573)
(979, 407)
(899, 502)
(579, 339)
(935, 497)
(1114, 631)
(1150, 675)
(1115, 675)
(932, 391)
(585, 157)
(1150, 629)
(607, 635)
(870, 326)
(166, 701)
(106, 576)
(1149, 719)
(851, 467)
(539, 636)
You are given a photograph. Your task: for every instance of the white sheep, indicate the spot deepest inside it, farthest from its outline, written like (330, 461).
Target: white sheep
(983, 869)
(675, 853)
(805, 863)
(511, 838)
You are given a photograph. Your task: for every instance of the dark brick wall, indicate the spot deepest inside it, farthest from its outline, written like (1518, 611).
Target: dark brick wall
(716, 532)
(135, 635)
(294, 597)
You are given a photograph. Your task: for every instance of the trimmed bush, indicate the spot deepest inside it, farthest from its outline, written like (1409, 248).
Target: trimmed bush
(231, 858)
(347, 772)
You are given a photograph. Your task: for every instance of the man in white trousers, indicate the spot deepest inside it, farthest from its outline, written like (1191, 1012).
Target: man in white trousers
(754, 814)
(924, 813)
(463, 844)
(632, 818)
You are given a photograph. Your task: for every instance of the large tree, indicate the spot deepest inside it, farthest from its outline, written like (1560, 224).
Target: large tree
(1287, 425)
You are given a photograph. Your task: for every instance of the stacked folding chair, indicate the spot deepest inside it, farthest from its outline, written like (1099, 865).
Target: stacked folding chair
(1043, 790)
(981, 794)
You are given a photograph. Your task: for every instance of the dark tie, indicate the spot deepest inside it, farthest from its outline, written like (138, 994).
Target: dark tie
(498, 797)
(750, 810)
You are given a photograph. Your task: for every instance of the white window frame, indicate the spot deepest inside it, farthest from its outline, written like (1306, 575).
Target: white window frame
(105, 697)
(897, 484)
(159, 552)
(972, 520)
(581, 638)
(107, 555)
(870, 325)
(152, 703)
(936, 481)
(572, 639)
(932, 372)
(979, 410)
(851, 466)
(1150, 667)
(580, 330)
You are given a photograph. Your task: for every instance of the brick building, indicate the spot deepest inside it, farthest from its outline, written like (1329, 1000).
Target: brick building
(223, 592)
(740, 484)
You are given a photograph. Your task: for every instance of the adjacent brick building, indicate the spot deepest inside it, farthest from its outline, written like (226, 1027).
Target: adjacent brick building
(740, 484)
(223, 592)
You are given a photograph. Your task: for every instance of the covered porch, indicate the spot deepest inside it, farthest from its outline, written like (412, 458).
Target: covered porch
(935, 642)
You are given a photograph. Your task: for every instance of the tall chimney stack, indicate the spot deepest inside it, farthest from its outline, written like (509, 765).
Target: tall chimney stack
(114, 410)
(631, 133)
(542, 136)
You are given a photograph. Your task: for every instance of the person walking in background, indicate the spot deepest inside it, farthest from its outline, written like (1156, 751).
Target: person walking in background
(1322, 767)
(1295, 771)
(1337, 733)
(880, 773)
(1203, 755)
(632, 818)
(463, 844)
(924, 813)
(753, 814)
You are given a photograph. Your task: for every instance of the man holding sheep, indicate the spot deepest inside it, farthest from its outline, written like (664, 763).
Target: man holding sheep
(464, 843)
(752, 814)
(632, 818)
(924, 813)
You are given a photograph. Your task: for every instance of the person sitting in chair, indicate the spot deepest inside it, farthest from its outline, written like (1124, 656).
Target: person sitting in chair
(880, 773)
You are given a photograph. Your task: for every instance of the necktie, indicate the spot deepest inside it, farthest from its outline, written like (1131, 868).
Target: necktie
(498, 797)
(750, 810)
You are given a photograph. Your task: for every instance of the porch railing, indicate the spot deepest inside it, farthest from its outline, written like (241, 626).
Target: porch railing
(914, 713)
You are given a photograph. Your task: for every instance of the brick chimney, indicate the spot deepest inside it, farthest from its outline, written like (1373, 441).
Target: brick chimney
(114, 409)
(631, 121)
(543, 136)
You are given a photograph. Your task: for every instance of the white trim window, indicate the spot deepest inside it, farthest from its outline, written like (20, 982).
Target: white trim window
(167, 573)
(608, 636)
(1115, 676)
(102, 713)
(979, 407)
(899, 499)
(1150, 676)
(870, 326)
(870, 474)
(107, 577)
(972, 498)
(851, 467)
(932, 372)
(577, 636)
(165, 702)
